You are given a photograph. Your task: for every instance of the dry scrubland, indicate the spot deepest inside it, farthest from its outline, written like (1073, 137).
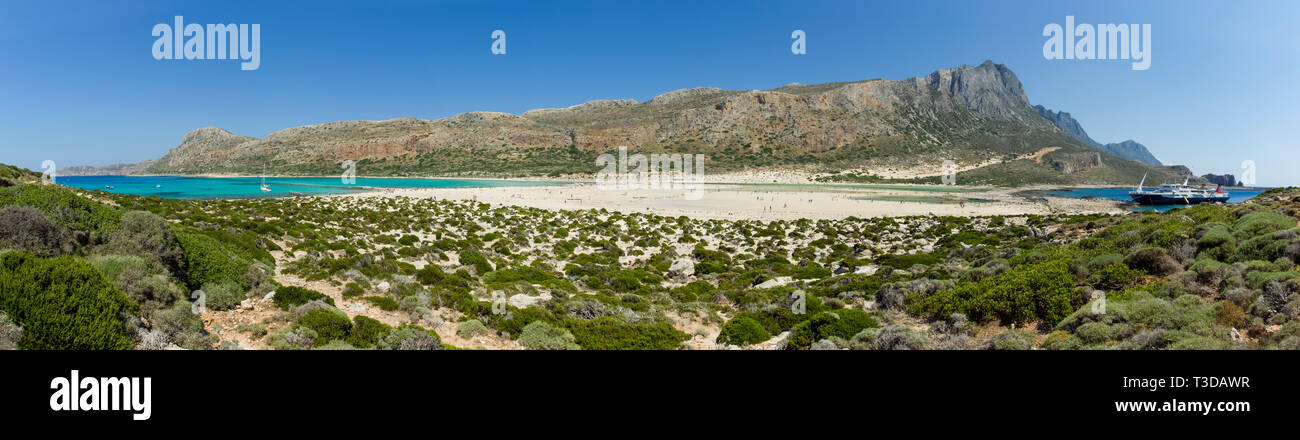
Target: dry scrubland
(95, 270)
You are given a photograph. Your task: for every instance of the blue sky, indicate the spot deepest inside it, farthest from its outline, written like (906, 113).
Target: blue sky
(78, 83)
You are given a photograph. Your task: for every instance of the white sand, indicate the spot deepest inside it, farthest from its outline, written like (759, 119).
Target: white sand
(722, 201)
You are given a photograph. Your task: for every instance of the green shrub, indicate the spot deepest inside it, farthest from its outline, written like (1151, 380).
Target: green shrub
(611, 334)
(811, 272)
(367, 332)
(328, 325)
(471, 328)
(147, 235)
(289, 296)
(1061, 340)
(1217, 243)
(353, 290)
(1094, 332)
(1013, 339)
(691, 292)
(256, 330)
(1103, 260)
(1154, 261)
(65, 207)
(430, 275)
(1260, 223)
(383, 302)
(742, 330)
(140, 280)
(540, 335)
(1114, 277)
(62, 304)
(224, 296)
(1040, 291)
(842, 323)
(411, 337)
(207, 260)
(471, 257)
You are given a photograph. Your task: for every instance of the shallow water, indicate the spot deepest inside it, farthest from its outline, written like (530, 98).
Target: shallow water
(1121, 194)
(206, 188)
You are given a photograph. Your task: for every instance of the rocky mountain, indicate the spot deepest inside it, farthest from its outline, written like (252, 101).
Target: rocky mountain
(977, 116)
(1129, 149)
(1067, 124)
(118, 169)
(1224, 179)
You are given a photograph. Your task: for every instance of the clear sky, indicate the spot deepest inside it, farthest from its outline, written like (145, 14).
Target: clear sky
(79, 84)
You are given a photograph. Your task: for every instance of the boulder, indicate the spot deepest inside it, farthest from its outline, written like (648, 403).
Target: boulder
(684, 267)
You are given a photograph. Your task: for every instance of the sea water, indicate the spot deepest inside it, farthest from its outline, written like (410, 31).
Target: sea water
(1121, 194)
(208, 188)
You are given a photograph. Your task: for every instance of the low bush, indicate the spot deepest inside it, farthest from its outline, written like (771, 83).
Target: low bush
(26, 229)
(1033, 292)
(63, 304)
(328, 325)
(612, 334)
(289, 296)
(383, 302)
(843, 324)
(540, 335)
(471, 328)
(207, 260)
(223, 296)
(411, 337)
(743, 330)
(367, 332)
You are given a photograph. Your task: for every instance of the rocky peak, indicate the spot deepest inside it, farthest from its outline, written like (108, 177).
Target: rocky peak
(989, 88)
(1067, 124)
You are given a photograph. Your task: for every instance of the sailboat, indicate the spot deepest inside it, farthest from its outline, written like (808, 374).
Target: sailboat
(265, 188)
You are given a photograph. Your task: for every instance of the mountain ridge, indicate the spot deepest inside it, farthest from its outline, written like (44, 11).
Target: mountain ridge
(1129, 149)
(968, 114)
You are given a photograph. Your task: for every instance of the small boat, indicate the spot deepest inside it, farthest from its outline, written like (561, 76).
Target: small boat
(108, 186)
(265, 188)
(1174, 194)
(157, 186)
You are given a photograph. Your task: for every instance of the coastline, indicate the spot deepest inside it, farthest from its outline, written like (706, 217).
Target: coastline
(736, 202)
(730, 198)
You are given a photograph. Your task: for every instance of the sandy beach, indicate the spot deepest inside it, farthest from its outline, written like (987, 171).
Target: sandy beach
(770, 202)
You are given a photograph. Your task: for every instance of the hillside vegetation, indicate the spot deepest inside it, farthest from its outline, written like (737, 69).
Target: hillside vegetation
(94, 270)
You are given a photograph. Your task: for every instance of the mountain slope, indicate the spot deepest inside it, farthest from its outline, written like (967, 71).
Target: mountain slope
(971, 115)
(1129, 149)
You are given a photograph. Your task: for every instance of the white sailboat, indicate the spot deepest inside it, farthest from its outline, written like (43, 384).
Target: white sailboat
(265, 188)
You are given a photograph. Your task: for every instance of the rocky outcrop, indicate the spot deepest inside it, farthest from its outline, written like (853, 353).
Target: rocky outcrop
(1073, 163)
(1224, 179)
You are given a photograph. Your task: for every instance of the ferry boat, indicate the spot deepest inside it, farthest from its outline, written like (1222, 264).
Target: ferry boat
(1175, 194)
